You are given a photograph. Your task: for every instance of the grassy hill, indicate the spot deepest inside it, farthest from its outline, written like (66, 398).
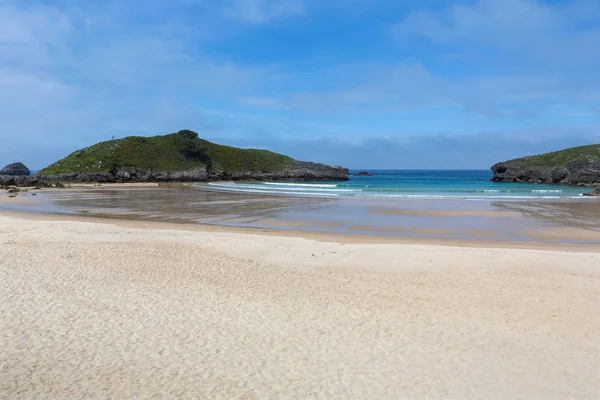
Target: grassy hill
(175, 152)
(562, 158)
(575, 166)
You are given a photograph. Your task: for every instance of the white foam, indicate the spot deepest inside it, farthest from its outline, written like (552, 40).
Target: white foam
(231, 188)
(332, 190)
(265, 188)
(466, 197)
(315, 185)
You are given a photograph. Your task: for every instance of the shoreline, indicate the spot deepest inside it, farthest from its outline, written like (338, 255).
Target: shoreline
(338, 238)
(532, 224)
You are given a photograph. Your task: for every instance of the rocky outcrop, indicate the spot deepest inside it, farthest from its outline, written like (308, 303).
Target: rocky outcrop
(299, 171)
(574, 173)
(15, 169)
(363, 173)
(573, 166)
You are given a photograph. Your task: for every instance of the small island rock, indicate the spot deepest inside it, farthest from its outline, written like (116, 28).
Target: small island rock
(15, 169)
(363, 173)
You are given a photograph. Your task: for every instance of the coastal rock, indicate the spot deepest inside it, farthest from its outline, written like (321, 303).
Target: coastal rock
(22, 181)
(15, 169)
(593, 193)
(298, 171)
(363, 173)
(574, 166)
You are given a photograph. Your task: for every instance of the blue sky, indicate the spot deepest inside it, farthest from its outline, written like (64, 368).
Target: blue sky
(365, 84)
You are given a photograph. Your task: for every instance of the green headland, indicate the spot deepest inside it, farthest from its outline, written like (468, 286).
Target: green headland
(576, 165)
(181, 156)
(175, 152)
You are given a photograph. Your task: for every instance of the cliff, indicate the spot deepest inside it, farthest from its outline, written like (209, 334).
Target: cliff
(177, 157)
(573, 166)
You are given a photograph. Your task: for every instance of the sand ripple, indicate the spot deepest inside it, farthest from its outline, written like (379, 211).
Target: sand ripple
(101, 311)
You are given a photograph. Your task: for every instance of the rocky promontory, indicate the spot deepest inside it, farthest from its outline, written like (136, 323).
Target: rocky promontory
(572, 166)
(177, 157)
(15, 169)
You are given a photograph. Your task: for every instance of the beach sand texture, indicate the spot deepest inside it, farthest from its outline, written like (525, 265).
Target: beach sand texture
(127, 310)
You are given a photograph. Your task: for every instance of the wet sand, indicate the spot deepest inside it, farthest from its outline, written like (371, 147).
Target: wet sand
(93, 308)
(444, 213)
(22, 200)
(287, 224)
(480, 233)
(558, 233)
(433, 231)
(361, 228)
(533, 221)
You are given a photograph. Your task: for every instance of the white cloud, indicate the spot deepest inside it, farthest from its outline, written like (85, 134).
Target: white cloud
(406, 150)
(528, 29)
(406, 86)
(509, 58)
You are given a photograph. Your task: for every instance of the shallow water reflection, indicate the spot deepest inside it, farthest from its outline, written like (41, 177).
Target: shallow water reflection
(456, 219)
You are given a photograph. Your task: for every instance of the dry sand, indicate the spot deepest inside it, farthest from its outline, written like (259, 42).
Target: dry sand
(131, 310)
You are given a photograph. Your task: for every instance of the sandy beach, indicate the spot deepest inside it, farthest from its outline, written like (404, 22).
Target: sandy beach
(130, 309)
(300, 199)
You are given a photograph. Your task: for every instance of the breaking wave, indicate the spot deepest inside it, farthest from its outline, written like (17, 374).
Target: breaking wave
(349, 189)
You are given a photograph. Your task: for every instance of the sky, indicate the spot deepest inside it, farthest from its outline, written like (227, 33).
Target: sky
(380, 84)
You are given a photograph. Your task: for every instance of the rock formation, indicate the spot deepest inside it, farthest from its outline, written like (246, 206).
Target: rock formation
(573, 166)
(15, 169)
(363, 173)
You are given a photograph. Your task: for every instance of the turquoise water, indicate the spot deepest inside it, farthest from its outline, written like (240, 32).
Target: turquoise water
(471, 185)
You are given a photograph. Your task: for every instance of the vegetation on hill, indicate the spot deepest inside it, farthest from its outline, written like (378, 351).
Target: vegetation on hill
(175, 152)
(561, 158)
(573, 166)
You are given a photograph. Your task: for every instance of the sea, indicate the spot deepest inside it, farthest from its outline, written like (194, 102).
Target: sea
(412, 184)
